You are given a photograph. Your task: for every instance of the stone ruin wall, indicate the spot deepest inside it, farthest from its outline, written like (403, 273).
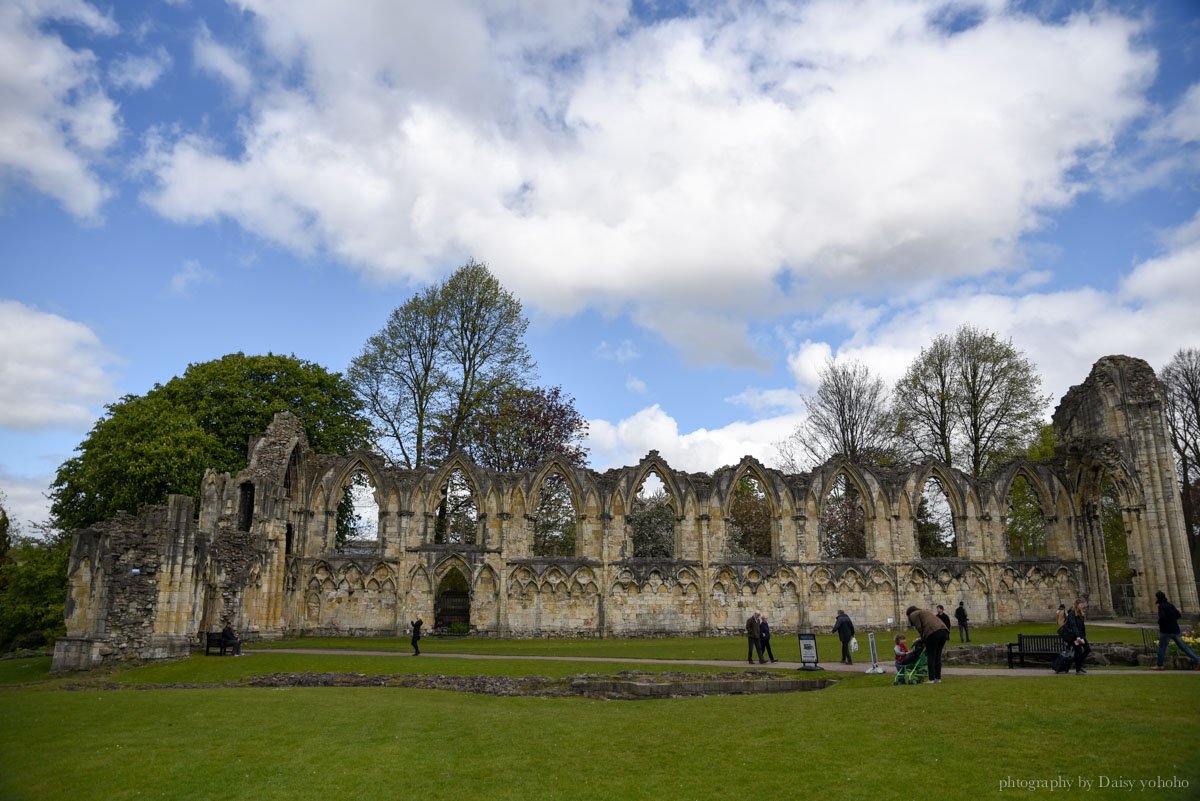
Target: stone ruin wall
(261, 554)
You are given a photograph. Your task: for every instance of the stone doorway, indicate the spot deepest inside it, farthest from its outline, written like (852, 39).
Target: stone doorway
(452, 604)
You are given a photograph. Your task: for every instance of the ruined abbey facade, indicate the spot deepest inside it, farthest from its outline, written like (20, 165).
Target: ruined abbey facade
(263, 552)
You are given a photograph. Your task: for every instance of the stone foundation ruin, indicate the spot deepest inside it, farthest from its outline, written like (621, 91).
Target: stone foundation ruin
(457, 544)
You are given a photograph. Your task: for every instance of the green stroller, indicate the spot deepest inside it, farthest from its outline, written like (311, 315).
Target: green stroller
(916, 673)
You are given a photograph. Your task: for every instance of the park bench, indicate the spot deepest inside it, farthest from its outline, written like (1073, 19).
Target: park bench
(212, 640)
(1045, 646)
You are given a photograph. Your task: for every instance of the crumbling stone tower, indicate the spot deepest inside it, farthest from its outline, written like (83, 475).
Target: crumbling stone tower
(1114, 426)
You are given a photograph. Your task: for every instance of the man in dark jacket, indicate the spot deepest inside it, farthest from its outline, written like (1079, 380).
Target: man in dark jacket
(942, 616)
(960, 614)
(1168, 631)
(229, 639)
(754, 638)
(765, 637)
(844, 629)
(934, 633)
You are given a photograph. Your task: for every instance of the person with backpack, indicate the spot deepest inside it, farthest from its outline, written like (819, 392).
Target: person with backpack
(1168, 631)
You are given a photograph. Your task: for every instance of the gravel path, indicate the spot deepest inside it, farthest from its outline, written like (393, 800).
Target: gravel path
(834, 667)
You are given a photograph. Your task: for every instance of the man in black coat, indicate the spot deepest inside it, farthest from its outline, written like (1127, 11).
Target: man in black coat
(843, 627)
(942, 616)
(229, 639)
(754, 638)
(1168, 631)
(960, 614)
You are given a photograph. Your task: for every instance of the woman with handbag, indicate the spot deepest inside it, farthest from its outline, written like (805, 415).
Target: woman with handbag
(1077, 630)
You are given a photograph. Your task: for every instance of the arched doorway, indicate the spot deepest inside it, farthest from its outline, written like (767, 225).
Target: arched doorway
(452, 605)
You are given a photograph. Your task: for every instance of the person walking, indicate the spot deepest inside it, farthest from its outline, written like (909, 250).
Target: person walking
(934, 633)
(1077, 631)
(416, 635)
(754, 638)
(764, 630)
(843, 627)
(1168, 631)
(960, 614)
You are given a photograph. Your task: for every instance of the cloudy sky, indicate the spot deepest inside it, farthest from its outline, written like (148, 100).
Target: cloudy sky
(698, 203)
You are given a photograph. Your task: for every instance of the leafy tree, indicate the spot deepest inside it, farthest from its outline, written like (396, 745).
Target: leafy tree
(971, 400)
(1025, 529)
(749, 520)
(401, 377)
(1181, 379)
(848, 414)
(516, 428)
(554, 524)
(147, 447)
(33, 590)
(443, 357)
(843, 523)
(651, 521)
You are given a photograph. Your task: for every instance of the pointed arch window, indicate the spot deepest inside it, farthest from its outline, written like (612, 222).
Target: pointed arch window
(555, 519)
(748, 526)
(456, 520)
(1025, 528)
(358, 515)
(651, 520)
(934, 523)
(843, 524)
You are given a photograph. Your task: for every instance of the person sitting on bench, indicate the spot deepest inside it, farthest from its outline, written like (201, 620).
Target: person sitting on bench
(229, 638)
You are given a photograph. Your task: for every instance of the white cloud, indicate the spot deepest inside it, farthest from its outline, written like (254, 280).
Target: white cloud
(635, 385)
(56, 120)
(623, 352)
(191, 274)
(1151, 314)
(703, 450)
(52, 370)
(25, 499)
(139, 72)
(672, 170)
(214, 58)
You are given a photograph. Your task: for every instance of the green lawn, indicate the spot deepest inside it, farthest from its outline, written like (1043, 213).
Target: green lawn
(860, 739)
(785, 646)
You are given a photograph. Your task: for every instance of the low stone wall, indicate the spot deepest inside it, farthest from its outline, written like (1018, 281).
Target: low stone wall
(990, 654)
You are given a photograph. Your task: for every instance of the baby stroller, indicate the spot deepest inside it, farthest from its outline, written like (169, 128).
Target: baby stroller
(916, 672)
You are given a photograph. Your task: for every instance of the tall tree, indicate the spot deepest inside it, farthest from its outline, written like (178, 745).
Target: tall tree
(147, 447)
(971, 400)
(443, 357)
(33, 590)
(400, 376)
(848, 414)
(925, 401)
(1181, 379)
(516, 428)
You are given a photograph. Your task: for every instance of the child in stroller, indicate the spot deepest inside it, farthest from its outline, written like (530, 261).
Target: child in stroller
(911, 668)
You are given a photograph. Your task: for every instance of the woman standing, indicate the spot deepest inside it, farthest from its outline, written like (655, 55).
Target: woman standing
(935, 634)
(1077, 631)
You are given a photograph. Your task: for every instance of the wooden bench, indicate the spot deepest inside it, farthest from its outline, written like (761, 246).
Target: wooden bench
(1045, 646)
(212, 640)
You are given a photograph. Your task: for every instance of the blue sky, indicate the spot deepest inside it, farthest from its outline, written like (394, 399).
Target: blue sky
(697, 203)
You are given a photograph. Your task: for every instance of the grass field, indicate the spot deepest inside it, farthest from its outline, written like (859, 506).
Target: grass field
(862, 739)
